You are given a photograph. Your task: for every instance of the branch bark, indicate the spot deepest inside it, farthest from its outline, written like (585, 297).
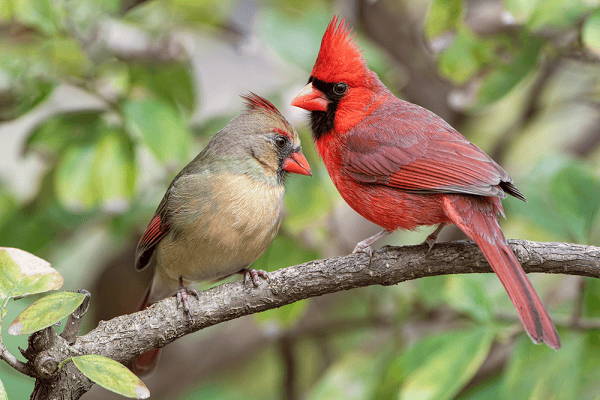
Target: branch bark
(125, 337)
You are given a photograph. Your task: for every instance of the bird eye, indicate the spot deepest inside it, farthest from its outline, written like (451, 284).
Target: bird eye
(340, 88)
(280, 141)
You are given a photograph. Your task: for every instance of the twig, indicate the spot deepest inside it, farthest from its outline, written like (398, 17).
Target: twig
(73, 324)
(13, 361)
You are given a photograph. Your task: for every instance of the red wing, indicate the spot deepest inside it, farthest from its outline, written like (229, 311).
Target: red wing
(155, 231)
(414, 150)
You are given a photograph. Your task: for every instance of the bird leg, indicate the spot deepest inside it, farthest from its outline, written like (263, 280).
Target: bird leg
(365, 245)
(251, 273)
(430, 240)
(182, 296)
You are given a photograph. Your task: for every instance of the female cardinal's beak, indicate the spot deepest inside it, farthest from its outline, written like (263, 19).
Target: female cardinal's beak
(296, 164)
(311, 99)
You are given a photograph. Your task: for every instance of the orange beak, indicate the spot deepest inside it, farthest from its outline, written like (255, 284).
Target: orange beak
(311, 99)
(296, 164)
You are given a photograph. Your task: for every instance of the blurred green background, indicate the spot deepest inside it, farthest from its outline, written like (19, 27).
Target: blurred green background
(102, 102)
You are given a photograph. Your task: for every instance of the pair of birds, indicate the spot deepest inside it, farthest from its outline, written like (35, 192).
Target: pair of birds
(395, 163)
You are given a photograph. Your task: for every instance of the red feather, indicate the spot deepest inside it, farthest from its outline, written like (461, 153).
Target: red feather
(155, 231)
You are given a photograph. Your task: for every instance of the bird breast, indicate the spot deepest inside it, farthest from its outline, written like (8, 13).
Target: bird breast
(219, 225)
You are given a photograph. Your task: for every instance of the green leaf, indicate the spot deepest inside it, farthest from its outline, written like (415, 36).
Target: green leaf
(41, 14)
(352, 377)
(576, 194)
(464, 58)
(111, 375)
(556, 13)
(437, 367)
(590, 33)
(114, 170)
(8, 206)
(3, 395)
(521, 10)
(467, 294)
(539, 372)
(159, 125)
(590, 365)
(448, 370)
(22, 273)
(172, 82)
(48, 138)
(591, 298)
(45, 312)
(282, 34)
(442, 15)
(490, 389)
(96, 173)
(66, 56)
(7, 10)
(563, 198)
(74, 176)
(204, 11)
(431, 290)
(505, 77)
(539, 207)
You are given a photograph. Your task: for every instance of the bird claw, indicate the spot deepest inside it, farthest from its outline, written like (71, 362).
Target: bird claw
(363, 248)
(432, 238)
(182, 297)
(429, 241)
(253, 274)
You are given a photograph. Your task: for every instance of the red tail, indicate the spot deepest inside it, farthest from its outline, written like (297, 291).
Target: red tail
(147, 362)
(478, 220)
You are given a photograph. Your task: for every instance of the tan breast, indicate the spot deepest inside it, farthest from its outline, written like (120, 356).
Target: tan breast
(222, 230)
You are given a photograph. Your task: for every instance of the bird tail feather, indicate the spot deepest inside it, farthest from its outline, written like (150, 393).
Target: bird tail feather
(486, 232)
(145, 364)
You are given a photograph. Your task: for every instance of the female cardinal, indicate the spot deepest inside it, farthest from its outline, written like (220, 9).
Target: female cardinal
(401, 166)
(222, 211)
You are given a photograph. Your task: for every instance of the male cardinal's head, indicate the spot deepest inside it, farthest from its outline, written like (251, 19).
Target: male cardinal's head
(264, 135)
(341, 87)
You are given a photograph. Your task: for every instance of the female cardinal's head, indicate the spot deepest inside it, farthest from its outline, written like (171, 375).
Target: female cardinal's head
(262, 141)
(341, 87)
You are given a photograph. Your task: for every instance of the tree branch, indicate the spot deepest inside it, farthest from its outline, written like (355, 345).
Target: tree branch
(13, 361)
(125, 337)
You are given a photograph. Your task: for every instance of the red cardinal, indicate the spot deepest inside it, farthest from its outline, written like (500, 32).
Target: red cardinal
(222, 211)
(401, 166)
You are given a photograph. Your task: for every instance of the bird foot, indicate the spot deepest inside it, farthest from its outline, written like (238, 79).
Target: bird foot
(253, 274)
(182, 297)
(431, 239)
(363, 247)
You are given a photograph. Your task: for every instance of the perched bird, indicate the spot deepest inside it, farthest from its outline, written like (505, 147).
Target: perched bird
(401, 166)
(222, 211)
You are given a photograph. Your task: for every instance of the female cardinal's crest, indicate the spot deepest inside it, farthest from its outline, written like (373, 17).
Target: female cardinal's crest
(256, 103)
(339, 55)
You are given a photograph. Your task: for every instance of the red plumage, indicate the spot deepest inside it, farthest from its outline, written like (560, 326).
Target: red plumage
(156, 230)
(401, 166)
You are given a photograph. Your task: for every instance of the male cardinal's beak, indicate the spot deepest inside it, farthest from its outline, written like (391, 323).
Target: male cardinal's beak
(311, 99)
(296, 163)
